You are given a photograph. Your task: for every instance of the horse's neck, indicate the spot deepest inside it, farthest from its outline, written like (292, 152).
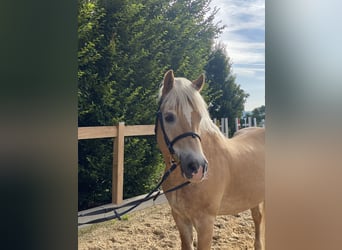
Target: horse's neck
(218, 145)
(214, 141)
(233, 148)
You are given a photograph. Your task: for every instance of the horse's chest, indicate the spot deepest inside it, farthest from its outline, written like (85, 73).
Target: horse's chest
(179, 200)
(193, 201)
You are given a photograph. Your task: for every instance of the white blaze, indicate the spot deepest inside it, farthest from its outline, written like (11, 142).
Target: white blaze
(187, 114)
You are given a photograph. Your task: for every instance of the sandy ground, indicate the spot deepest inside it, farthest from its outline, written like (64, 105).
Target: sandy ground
(153, 228)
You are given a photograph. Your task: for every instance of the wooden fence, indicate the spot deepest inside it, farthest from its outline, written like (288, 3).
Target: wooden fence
(118, 133)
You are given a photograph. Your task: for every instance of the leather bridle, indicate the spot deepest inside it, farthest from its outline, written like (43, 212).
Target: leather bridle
(169, 144)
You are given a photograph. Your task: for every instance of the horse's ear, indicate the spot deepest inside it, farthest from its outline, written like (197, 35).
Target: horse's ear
(199, 83)
(168, 82)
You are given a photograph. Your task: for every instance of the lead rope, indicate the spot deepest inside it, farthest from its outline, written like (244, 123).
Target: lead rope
(136, 203)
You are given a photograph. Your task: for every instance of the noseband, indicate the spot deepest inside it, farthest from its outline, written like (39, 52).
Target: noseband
(169, 144)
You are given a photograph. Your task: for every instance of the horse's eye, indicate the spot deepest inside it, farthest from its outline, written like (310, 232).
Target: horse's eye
(169, 117)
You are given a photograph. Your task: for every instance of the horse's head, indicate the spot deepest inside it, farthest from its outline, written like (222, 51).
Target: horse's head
(178, 124)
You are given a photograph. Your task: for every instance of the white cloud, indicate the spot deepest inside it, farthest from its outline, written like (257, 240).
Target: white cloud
(245, 56)
(249, 71)
(242, 17)
(244, 40)
(247, 45)
(248, 54)
(232, 13)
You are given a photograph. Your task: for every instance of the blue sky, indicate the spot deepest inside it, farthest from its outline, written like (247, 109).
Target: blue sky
(244, 38)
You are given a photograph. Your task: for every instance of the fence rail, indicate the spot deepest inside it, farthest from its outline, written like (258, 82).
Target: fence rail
(118, 133)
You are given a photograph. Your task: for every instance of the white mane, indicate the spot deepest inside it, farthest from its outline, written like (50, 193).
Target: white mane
(183, 97)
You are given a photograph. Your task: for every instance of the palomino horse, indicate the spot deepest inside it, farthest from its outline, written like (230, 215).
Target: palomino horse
(226, 175)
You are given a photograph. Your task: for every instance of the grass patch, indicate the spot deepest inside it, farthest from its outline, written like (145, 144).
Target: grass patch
(125, 217)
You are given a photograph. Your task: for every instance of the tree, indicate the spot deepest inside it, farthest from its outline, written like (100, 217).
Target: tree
(94, 103)
(190, 33)
(259, 113)
(94, 56)
(224, 95)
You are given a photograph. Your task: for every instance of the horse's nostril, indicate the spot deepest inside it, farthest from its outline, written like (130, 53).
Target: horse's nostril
(192, 167)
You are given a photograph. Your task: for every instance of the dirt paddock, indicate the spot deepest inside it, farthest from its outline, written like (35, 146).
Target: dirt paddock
(154, 228)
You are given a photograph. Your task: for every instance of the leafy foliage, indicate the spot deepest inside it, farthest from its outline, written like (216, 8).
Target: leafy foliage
(224, 95)
(259, 113)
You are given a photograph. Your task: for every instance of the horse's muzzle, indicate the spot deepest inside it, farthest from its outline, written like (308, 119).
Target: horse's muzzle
(194, 169)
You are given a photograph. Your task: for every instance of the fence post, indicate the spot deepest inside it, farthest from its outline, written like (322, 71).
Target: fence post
(237, 123)
(118, 164)
(226, 127)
